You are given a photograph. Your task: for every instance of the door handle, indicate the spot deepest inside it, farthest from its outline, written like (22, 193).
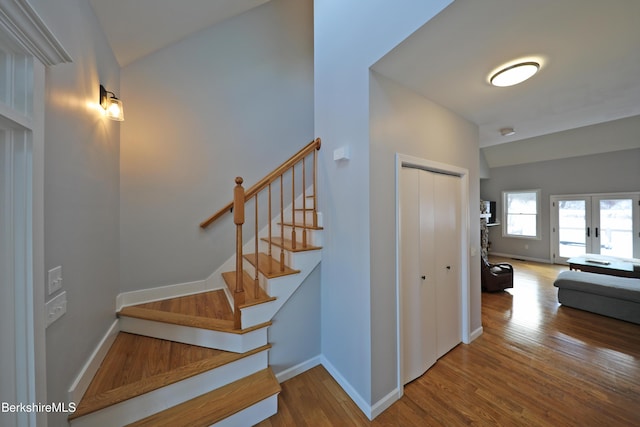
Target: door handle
(448, 267)
(596, 231)
(588, 231)
(423, 277)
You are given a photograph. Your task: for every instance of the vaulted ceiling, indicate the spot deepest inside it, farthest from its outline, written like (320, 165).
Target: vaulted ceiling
(590, 71)
(589, 50)
(137, 28)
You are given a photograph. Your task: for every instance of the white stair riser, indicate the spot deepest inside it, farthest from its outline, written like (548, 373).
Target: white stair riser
(236, 343)
(251, 415)
(289, 256)
(314, 237)
(294, 260)
(279, 287)
(259, 313)
(299, 216)
(147, 404)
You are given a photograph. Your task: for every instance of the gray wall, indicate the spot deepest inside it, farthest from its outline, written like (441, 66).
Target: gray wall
(232, 100)
(81, 199)
(613, 172)
(407, 123)
(295, 332)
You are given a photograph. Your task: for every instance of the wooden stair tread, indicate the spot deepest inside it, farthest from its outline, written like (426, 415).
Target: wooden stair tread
(249, 289)
(301, 225)
(207, 310)
(211, 304)
(136, 364)
(216, 405)
(268, 266)
(288, 245)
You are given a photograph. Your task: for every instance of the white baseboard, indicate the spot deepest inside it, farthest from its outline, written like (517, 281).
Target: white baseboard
(154, 294)
(381, 405)
(525, 258)
(298, 369)
(88, 371)
(475, 334)
(348, 388)
(371, 411)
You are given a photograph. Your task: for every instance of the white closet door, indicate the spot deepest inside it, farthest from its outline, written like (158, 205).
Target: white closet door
(446, 238)
(427, 255)
(417, 319)
(430, 227)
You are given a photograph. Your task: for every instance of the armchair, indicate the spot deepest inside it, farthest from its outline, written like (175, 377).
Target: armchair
(496, 277)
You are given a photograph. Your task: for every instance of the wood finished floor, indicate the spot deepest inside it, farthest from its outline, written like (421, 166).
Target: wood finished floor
(536, 364)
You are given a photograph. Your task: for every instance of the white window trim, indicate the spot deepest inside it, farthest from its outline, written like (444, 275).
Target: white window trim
(505, 223)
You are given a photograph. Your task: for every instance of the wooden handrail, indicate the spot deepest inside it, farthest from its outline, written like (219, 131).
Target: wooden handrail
(264, 182)
(237, 206)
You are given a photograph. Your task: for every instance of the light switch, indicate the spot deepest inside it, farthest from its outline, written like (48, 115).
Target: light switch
(56, 308)
(55, 280)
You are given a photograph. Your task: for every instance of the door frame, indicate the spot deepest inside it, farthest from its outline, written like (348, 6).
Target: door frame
(22, 26)
(404, 160)
(554, 229)
(590, 197)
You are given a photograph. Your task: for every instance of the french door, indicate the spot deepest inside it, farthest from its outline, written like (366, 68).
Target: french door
(606, 224)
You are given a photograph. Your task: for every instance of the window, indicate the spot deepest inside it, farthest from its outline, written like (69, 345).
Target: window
(521, 214)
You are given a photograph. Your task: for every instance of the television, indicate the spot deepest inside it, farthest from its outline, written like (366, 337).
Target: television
(490, 208)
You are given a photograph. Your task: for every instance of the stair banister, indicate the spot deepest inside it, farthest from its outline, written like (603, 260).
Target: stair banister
(279, 171)
(237, 206)
(238, 219)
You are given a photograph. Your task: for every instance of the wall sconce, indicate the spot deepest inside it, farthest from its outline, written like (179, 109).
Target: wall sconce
(111, 105)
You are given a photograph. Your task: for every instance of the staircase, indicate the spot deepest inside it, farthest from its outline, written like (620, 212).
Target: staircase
(202, 359)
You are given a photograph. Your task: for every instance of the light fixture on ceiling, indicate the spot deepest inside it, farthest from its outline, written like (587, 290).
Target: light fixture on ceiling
(507, 131)
(111, 105)
(514, 74)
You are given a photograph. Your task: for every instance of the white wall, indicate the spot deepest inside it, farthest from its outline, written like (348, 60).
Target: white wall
(349, 36)
(407, 123)
(614, 172)
(81, 191)
(233, 100)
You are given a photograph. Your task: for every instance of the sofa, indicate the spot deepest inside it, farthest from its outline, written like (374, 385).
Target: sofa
(612, 296)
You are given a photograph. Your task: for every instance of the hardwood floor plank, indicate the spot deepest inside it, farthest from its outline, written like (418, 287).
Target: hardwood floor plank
(536, 364)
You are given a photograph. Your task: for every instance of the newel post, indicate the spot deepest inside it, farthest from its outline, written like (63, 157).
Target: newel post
(238, 219)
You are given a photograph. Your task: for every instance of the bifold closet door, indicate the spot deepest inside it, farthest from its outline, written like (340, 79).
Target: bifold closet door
(446, 238)
(430, 268)
(417, 282)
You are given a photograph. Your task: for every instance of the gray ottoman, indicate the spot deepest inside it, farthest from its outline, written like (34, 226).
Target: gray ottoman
(612, 296)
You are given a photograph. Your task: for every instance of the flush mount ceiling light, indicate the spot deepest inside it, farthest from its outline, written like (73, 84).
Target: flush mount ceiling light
(111, 104)
(514, 74)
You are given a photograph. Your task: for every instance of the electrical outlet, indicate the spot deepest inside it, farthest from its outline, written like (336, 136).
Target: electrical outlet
(55, 280)
(56, 308)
